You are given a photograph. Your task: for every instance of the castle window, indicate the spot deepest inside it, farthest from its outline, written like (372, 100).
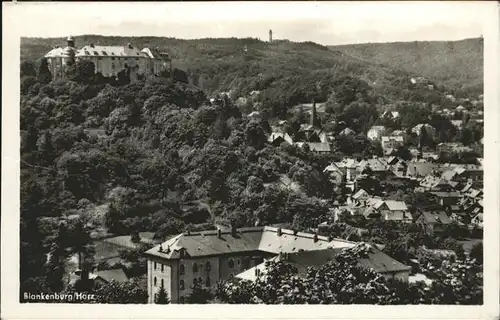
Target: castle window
(181, 285)
(112, 58)
(181, 269)
(239, 261)
(162, 267)
(207, 266)
(195, 268)
(154, 281)
(208, 282)
(162, 284)
(155, 266)
(231, 263)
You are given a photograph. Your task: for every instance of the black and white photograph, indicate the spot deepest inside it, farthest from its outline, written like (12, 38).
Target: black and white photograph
(251, 153)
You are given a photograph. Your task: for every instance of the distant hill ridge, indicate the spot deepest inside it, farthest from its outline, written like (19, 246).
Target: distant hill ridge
(455, 63)
(285, 71)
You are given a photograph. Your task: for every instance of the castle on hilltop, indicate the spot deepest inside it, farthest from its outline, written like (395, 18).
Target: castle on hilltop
(110, 60)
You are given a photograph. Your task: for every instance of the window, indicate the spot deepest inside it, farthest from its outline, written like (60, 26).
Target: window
(195, 268)
(162, 268)
(208, 282)
(154, 281)
(231, 263)
(207, 266)
(162, 284)
(181, 284)
(155, 265)
(239, 261)
(136, 58)
(181, 269)
(112, 58)
(100, 58)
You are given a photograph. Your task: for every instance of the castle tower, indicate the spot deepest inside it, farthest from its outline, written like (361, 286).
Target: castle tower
(70, 41)
(270, 36)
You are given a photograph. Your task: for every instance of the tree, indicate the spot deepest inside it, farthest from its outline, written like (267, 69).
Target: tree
(134, 237)
(44, 75)
(161, 297)
(199, 294)
(121, 293)
(28, 69)
(80, 242)
(477, 252)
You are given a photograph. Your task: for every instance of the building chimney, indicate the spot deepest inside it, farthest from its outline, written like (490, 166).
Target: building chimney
(270, 36)
(315, 238)
(278, 232)
(233, 231)
(91, 45)
(280, 256)
(295, 232)
(130, 46)
(160, 249)
(168, 249)
(329, 238)
(257, 272)
(219, 233)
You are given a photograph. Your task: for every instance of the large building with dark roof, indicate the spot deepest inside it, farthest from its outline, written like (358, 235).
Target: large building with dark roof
(110, 60)
(211, 256)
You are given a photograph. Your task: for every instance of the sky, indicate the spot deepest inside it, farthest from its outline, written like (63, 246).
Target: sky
(328, 23)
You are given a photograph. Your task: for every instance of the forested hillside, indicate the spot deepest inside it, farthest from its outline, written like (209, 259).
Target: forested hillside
(284, 71)
(454, 63)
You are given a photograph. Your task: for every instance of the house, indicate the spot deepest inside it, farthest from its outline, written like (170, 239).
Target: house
(376, 166)
(392, 115)
(392, 142)
(461, 108)
(208, 257)
(419, 170)
(315, 146)
(424, 127)
(101, 276)
(477, 220)
(433, 221)
(369, 257)
(447, 198)
(436, 183)
(336, 174)
(457, 123)
(430, 156)
(389, 210)
(110, 60)
(452, 147)
(348, 167)
(277, 138)
(376, 132)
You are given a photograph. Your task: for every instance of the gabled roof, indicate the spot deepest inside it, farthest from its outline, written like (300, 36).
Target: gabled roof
(113, 275)
(360, 194)
(373, 259)
(396, 205)
(283, 135)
